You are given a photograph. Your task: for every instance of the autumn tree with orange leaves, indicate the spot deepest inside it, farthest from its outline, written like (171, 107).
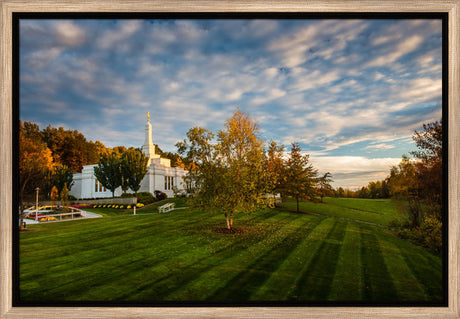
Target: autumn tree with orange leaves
(35, 165)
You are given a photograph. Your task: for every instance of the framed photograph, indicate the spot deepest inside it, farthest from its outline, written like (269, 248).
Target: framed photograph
(229, 159)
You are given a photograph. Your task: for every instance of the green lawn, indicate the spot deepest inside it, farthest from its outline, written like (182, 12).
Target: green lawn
(375, 211)
(326, 254)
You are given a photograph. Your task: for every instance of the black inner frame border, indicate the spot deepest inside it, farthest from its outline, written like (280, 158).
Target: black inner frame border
(17, 16)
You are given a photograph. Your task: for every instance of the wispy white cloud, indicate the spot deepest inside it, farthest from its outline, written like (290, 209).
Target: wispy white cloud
(402, 48)
(114, 37)
(69, 33)
(380, 147)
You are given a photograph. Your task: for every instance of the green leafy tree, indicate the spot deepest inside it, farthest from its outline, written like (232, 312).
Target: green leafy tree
(374, 189)
(133, 168)
(199, 151)
(62, 176)
(108, 171)
(324, 185)
(300, 175)
(274, 168)
(404, 184)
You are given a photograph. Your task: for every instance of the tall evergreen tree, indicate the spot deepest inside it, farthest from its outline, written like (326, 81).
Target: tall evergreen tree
(324, 185)
(300, 175)
(274, 168)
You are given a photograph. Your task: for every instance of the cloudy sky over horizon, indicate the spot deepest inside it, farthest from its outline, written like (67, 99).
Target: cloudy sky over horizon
(350, 92)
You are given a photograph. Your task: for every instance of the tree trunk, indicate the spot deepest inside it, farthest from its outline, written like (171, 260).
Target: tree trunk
(228, 221)
(297, 198)
(22, 214)
(21, 200)
(231, 220)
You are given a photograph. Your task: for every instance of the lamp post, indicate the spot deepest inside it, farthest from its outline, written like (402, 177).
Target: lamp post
(36, 204)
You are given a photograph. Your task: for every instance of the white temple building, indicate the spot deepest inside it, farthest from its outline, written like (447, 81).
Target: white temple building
(160, 175)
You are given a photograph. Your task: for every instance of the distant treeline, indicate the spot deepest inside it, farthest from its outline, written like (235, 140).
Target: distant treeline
(373, 190)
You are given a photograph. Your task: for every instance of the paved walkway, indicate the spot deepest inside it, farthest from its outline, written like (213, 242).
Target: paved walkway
(88, 215)
(91, 215)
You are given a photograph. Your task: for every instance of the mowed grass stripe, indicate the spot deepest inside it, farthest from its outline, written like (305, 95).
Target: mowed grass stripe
(378, 286)
(283, 282)
(344, 213)
(208, 285)
(376, 206)
(316, 280)
(425, 267)
(348, 280)
(248, 281)
(402, 276)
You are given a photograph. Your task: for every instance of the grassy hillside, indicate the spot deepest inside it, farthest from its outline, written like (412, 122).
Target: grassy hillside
(327, 254)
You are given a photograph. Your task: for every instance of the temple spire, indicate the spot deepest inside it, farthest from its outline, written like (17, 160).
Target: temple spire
(148, 148)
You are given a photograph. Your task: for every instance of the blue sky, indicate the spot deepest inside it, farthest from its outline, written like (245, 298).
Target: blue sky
(350, 92)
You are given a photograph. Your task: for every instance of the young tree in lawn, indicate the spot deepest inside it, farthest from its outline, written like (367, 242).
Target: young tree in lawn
(324, 185)
(274, 168)
(54, 195)
(133, 168)
(226, 176)
(108, 171)
(240, 161)
(300, 175)
(35, 163)
(64, 198)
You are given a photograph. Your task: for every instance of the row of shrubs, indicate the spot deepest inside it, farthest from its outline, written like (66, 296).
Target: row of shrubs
(117, 206)
(428, 234)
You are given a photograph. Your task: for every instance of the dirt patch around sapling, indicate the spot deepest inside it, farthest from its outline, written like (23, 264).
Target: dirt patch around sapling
(233, 231)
